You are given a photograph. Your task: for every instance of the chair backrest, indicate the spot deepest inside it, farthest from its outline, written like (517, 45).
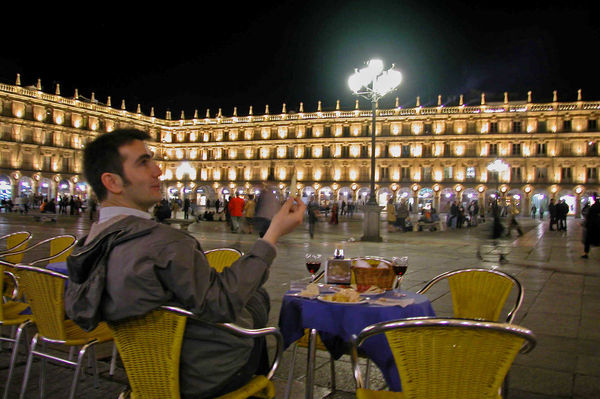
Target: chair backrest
(44, 290)
(221, 258)
(15, 242)
(480, 293)
(60, 248)
(150, 347)
(449, 358)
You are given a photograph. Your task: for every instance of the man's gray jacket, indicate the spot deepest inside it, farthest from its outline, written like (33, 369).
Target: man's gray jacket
(143, 265)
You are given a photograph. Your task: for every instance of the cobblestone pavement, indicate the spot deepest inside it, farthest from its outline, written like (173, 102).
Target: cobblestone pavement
(561, 306)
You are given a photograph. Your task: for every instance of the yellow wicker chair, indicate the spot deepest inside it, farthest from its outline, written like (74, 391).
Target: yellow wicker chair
(221, 258)
(480, 293)
(10, 315)
(14, 243)
(150, 348)
(44, 290)
(60, 247)
(446, 358)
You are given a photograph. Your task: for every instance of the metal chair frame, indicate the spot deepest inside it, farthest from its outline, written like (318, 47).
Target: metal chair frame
(520, 290)
(86, 343)
(424, 322)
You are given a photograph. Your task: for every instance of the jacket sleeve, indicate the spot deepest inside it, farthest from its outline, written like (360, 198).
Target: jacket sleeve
(215, 297)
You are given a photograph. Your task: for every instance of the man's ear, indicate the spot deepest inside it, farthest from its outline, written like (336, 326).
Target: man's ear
(113, 182)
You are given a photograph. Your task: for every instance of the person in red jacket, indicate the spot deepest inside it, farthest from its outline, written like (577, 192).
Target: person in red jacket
(236, 210)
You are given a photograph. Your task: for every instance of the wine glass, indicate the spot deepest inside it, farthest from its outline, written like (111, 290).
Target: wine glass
(313, 263)
(400, 265)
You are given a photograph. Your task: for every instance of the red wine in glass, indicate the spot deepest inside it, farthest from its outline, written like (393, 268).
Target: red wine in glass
(313, 266)
(399, 270)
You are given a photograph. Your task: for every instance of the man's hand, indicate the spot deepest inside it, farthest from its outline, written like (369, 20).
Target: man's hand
(285, 221)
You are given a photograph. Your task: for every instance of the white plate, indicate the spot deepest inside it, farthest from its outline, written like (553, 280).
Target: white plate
(323, 298)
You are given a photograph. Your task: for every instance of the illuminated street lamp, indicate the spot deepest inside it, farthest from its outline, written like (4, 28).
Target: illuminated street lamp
(373, 82)
(498, 166)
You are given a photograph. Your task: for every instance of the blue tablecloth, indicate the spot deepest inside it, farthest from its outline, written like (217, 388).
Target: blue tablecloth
(337, 322)
(60, 267)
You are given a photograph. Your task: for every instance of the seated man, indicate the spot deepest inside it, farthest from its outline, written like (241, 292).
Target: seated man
(148, 264)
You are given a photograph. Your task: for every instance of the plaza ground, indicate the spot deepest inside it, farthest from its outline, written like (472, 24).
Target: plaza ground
(561, 304)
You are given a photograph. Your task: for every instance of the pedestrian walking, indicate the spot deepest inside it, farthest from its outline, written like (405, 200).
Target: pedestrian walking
(591, 227)
(533, 211)
(513, 224)
(552, 211)
(562, 210)
(313, 216)
(249, 211)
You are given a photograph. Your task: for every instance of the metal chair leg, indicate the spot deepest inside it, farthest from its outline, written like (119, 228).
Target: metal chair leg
(43, 369)
(28, 366)
(113, 360)
(13, 357)
(288, 386)
(78, 367)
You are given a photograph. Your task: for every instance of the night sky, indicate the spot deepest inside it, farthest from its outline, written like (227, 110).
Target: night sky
(177, 56)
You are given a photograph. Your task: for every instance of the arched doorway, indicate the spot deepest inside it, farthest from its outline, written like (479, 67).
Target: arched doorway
(363, 195)
(570, 199)
(447, 197)
(25, 187)
(308, 193)
(425, 199)
(5, 188)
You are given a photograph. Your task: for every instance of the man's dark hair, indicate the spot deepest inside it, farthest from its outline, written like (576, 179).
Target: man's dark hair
(102, 155)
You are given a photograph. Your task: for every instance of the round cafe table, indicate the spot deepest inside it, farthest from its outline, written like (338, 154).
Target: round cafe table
(337, 322)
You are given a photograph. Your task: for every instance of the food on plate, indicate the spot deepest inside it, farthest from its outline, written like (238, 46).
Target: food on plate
(368, 289)
(310, 290)
(344, 295)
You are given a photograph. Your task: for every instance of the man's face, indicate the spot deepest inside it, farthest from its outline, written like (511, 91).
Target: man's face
(141, 186)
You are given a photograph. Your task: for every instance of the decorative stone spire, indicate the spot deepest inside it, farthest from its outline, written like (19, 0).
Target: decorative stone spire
(356, 104)
(397, 102)
(18, 82)
(555, 96)
(337, 105)
(250, 112)
(301, 106)
(139, 109)
(418, 102)
(579, 95)
(219, 114)
(195, 114)
(283, 111)
(152, 112)
(168, 115)
(267, 109)
(505, 97)
(123, 105)
(57, 92)
(461, 100)
(529, 96)
(93, 99)
(207, 113)
(439, 100)
(319, 108)
(182, 117)
(39, 84)
(482, 98)
(234, 111)
(76, 95)
(108, 102)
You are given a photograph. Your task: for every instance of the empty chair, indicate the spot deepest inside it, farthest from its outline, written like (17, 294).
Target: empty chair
(44, 290)
(60, 247)
(221, 258)
(10, 315)
(14, 244)
(150, 347)
(446, 358)
(480, 293)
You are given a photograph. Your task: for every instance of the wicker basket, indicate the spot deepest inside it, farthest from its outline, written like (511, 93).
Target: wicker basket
(380, 277)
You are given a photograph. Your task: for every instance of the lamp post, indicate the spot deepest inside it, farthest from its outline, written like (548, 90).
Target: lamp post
(372, 83)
